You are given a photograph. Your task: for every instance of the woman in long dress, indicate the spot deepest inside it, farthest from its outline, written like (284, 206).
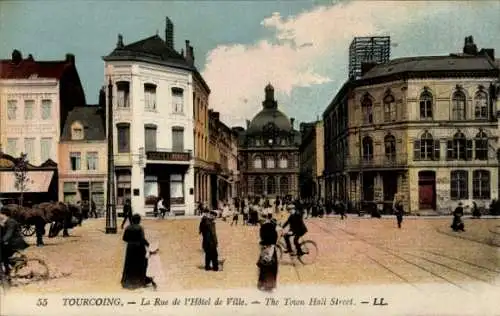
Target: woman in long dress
(136, 263)
(268, 259)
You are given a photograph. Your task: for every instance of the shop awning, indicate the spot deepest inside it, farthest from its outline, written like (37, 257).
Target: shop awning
(38, 181)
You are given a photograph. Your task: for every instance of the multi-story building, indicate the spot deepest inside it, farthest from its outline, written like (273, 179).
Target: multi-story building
(222, 157)
(153, 122)
(35, 97)
(269, 153)
(368, 50)
(83, 154)
(425, 127)
(202, 168)
(311, 160)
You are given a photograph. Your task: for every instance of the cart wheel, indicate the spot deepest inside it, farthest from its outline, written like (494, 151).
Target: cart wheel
(28, 230)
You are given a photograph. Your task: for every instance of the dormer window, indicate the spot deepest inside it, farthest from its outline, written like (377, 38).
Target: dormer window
(77, 131)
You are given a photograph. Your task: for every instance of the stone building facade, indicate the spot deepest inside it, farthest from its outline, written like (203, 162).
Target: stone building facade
(269, 153)
(312, 160)
(153, 88)
(425, 127)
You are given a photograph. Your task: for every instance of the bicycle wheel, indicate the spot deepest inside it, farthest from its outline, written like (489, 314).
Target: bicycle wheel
(28, 230)
(310, 252)
(32, 268)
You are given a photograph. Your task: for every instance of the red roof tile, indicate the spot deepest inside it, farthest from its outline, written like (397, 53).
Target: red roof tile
(27, 68)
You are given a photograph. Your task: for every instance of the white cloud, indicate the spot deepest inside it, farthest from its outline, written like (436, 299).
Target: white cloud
(306, 50)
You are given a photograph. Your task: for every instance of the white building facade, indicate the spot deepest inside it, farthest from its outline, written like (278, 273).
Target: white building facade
(153, 127)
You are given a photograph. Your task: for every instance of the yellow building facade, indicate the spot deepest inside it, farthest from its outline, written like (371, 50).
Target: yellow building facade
(424, 127)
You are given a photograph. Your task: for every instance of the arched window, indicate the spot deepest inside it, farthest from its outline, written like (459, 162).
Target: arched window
(481, 105)
(283, 162)
(367, 148)
(270, 163)
(271, 185)
(459, 185)
(459, 148)
(458, 106)
(258, 186)
(257, 162)
(481, 141)
(481, 184)
(390, 147)
(389, 108)
(77, 132)
(426, 105)
(367, 108)
(283, 185)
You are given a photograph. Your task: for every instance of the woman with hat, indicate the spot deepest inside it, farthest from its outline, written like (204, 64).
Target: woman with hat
(458, 224)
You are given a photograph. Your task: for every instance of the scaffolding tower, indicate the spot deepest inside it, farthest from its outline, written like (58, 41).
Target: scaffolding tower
(376, 49)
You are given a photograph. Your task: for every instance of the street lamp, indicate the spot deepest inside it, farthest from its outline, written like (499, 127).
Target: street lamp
(111, 227)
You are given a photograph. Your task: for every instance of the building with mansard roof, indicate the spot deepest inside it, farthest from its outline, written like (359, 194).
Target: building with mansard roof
(268, 153)
(424, 127)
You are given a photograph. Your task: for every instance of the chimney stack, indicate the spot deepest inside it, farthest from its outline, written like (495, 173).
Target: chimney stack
(70, 58)
(469, 47)
(169, 33)
(292, 121)
(248, 123)
(189, 53)
(30, 57)
(17, 57)
(119, 44)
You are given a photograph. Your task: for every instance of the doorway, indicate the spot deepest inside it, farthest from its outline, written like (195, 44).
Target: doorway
(427, 190)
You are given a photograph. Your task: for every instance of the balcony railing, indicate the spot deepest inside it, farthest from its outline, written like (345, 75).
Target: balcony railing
(377, 161)
(168, 154)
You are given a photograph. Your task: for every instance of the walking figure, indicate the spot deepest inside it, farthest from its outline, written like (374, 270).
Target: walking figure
(458, 224)
(127, 212)
(398, 210)
(208, 231)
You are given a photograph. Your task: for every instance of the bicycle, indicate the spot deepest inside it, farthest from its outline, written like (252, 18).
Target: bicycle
(308, 247)
(24, 267)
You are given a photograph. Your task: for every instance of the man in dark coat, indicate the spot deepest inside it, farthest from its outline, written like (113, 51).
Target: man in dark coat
(457, 224)
(297, 230)
(11, 239)
(268, 271)
(209, 234)
(127, 212)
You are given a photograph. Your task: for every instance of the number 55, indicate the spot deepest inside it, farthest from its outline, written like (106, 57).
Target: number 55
(42, 302)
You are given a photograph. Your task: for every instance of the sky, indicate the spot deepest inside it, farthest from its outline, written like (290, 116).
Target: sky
(300, 47)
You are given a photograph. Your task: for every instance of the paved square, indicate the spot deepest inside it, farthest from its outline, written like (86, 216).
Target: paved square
(356, 250)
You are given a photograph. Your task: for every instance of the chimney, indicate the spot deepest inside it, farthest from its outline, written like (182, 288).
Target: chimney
(365, 67)
(119, 44)
(30, 58)
(248, 123)
(169, 33)
(469, 47)
(292, 120)
(17, 57)
(189, 51)
(102, 97)
(490, 52)
(70, 58)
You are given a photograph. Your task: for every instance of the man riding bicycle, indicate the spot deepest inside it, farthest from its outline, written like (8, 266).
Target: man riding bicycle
(11, 240)
(297, 230)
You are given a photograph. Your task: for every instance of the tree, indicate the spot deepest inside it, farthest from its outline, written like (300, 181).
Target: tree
(21, 174)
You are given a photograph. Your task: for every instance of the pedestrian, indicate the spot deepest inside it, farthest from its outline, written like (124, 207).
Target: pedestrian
(161, 207)
(136, 261)
(93, 209)
(457, 223)
(209, 234)
(398, 209)
(268, 259)
(11, 240)
(476, 212)
(235, 217)
(127, 212)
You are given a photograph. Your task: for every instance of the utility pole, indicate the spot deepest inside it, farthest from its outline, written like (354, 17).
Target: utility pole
(111, 227)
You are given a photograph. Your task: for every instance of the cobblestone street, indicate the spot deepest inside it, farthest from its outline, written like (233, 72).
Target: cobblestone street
(357, 250)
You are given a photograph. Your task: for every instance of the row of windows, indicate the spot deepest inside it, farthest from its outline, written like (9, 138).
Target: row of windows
(150, 97)
(428, 148)
(150, 137)
(260, 141)
(426, 103)
(271, 185)
(270, 162)
(92, 161)
(30, 113)
(459, 185)
(13, 148)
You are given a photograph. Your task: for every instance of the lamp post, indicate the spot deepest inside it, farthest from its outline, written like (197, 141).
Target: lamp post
(111, 227)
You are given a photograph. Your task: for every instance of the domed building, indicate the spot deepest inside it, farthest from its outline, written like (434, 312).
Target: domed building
(269, 153)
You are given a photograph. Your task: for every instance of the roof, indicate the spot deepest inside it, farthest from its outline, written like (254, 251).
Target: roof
(266, 116)
(450, 63)
(154, 50)
(92, 119)
(28, 67)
